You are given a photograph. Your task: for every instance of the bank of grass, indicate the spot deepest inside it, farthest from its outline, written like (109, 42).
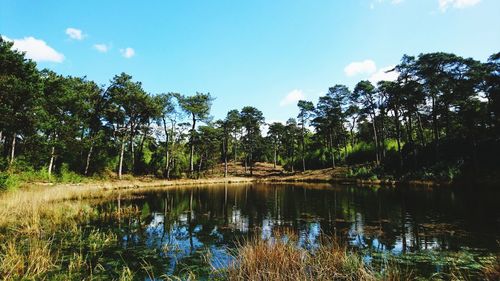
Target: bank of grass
(280, 259)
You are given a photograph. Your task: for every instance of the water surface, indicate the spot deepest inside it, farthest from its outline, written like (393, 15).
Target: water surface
(426, 229)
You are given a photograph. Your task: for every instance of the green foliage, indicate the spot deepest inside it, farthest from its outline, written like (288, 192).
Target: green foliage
(9, 181)
(68, 176)
(363, 172)
(443, 109)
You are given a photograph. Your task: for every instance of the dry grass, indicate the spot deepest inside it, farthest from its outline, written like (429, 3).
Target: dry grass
(281, 259)
(492, 271)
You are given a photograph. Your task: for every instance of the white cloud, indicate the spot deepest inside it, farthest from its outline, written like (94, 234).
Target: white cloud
(103, 48)
(459, 4)
(383, 75)
(362, 67)
(74, 33)
(292, 98)
(127, 52)
(36, 49)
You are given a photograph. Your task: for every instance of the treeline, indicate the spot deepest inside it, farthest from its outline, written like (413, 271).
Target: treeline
(442, 114)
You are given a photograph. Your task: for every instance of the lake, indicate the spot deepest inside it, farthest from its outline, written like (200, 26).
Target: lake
(428, 230)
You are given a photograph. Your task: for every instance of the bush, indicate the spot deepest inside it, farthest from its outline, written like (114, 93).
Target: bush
(67, 176)
(31, 175)
(9, 181)
(362, 172)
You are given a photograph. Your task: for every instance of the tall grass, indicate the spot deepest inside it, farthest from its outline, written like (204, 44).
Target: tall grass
(281, 259)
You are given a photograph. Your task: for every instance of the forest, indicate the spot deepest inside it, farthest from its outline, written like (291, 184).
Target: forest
(440, 120)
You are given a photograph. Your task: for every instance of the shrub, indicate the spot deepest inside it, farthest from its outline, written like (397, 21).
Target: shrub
(67, 176)
(362, 172)
(9, 181)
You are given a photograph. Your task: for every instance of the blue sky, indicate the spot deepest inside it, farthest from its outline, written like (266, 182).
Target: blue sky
(262, 53)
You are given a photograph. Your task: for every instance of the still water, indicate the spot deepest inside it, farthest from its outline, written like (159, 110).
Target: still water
(425, 229)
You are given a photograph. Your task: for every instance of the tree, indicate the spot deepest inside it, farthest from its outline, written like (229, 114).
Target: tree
(62, 117)
(306, 111)
(276, 133)
(234, 126)
(492, 89)
(20, 88)
(130, 107)
(167, 111)
(198, 107)
(251, 120)
(392, 93)
(223, 126)
(365, 94)
(291, 139)
(208, 142)
(330, 119)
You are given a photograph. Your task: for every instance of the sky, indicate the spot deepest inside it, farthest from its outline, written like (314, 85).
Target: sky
(267, 54)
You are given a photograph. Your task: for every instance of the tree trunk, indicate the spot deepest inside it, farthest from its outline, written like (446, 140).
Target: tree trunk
(89, 154)
(382, 135)
(303, 147)
(275, 156)
(246, 164)
(51, 162)
(224, 147)
(199, 165)
(235, 143)
(121, 159)
(332, 151)
(132, 150)
(411, 141)
(351, 129)
(167, 160)
(251, 162)
(143, 138)
(435, 128)
(346, 153)
(375, 139)
(420, 130)
(13, 149)
(398, 136)
(171, 162)
(191, 154)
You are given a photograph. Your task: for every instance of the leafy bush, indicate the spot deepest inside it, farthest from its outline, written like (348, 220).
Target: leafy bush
(9, 181)
(68, 176)
(362, 172)
(31, 175)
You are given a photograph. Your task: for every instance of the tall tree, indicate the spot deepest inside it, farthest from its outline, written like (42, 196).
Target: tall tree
(365, 94)
(251, 120)
(167, 112)
(129, 109)
(198, 107)
(234, 126)
(306, 111)
(276, 133)
(20, 88)
(290, 143)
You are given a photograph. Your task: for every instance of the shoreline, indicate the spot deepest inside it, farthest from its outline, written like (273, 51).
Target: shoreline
(114, 184)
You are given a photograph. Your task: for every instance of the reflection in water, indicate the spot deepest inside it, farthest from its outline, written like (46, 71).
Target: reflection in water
(184, 224)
